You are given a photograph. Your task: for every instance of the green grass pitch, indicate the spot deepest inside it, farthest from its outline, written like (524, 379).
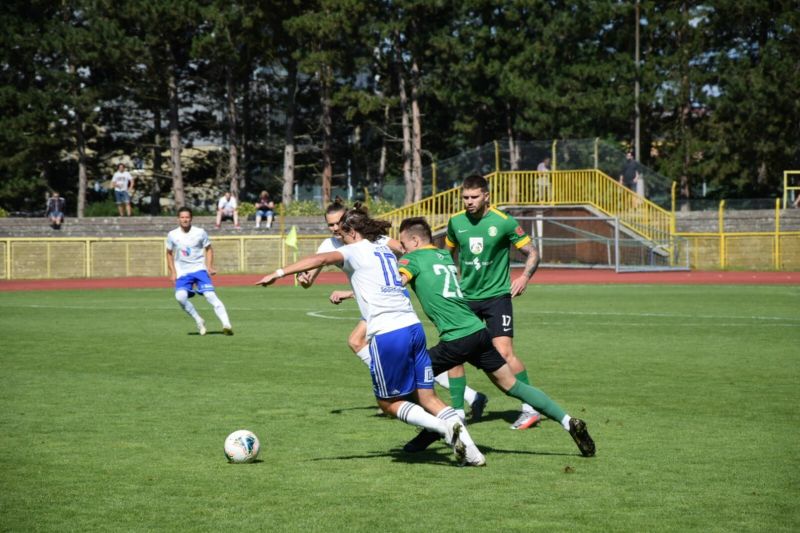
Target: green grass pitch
(113, 412)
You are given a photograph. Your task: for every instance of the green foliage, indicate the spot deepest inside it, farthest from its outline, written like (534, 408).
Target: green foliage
(304, 208)
(152, 419)
(104, 208)
(719, 100)
(3, 213)
(246, 209)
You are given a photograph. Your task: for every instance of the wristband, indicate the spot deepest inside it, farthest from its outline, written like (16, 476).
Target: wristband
(280, 273)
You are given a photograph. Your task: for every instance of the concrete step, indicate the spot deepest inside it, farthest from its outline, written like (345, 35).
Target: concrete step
(146, 226)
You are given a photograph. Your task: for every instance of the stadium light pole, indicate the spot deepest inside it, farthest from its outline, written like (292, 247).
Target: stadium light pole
(637, 126)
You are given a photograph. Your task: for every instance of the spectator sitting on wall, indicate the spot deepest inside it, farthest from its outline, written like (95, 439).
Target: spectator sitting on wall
(226, 210)
(55, 210)
(265, 208)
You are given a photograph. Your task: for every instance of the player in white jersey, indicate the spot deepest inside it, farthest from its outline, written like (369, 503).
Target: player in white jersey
(400, 365)
(190, 260)
(357, 341)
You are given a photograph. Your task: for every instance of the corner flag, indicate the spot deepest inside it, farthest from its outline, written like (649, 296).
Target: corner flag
(291, 238)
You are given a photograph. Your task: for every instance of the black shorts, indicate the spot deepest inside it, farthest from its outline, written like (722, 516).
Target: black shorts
(476, 349)
(497, 313)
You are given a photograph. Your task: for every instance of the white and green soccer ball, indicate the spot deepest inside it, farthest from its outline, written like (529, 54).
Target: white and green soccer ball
(241, 446)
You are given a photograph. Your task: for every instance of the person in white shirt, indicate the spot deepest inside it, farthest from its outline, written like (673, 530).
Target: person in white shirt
(226, 210)
(190, 261)
(400, 365)
(123, 183)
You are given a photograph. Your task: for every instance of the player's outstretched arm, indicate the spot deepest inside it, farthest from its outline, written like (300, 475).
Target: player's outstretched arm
(307, 279)
(520, 283)
(307, 263)
(338, 297)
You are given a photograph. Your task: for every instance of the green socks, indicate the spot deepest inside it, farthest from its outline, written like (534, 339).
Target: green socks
(538, 399)
(457, 388)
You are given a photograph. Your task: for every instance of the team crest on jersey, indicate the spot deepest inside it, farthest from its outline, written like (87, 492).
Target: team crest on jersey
(492, 231)
(476, 245)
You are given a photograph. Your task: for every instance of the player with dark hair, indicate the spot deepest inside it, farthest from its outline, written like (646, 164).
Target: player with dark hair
(357, 340)
(482, 236)
(190, 261)
(463, 338)
(400, 365)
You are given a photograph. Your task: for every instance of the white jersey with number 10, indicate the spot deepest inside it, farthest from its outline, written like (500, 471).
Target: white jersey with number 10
(382, 299)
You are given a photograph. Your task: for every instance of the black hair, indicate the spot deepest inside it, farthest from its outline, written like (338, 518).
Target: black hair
(417, 226)
(475, 181)
(358, 219)
(185, 209)
(336, 206)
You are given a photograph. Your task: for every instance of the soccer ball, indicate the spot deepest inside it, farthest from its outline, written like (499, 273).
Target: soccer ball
(241, 446)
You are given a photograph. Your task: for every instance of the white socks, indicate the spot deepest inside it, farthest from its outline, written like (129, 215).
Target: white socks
(186, 305)
(219, 308)
(414, 414)
(363, 354)
(565, 422)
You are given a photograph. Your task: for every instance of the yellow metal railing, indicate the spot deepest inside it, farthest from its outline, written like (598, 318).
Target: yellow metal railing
(111, 257)
(554, 188)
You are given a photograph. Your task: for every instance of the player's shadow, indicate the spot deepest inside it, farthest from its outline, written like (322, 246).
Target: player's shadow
(372, 408)
(208, 334)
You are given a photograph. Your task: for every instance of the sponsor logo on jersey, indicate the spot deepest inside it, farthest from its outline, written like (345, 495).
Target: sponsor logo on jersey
(476, 263)
(492, 231)
(476, 245)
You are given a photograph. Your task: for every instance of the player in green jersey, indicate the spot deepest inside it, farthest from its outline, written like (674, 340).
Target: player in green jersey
(483, 236)
(463, 338)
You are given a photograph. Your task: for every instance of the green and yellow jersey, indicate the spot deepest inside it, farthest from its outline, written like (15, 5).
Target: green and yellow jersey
(432, 275)
(483, 251)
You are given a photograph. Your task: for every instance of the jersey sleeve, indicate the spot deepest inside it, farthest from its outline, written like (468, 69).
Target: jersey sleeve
(204, 239)
(515, 233)
(408, 266)
(168, 243)
(450, 237)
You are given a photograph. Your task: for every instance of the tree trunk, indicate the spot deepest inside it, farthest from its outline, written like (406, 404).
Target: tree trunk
(80, 144)
(384, 154)
(288, 147)
(416, 131)
(175, 146)
(327, 133)
(233, 140)
(155, 185)
(407, 171)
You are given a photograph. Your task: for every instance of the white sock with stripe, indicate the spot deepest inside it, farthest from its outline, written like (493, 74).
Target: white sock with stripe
(413, 414)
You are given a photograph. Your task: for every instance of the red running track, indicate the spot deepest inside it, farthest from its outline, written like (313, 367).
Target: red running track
(545, 276)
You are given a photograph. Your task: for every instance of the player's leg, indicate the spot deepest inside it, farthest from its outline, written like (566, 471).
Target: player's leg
(476, 400)
(499, 316)
(357, 341)
(182, 295)
(400, 366)
(483, 355)
(206, 288)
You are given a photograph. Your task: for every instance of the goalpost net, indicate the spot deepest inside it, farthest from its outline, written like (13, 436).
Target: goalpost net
(600, 242)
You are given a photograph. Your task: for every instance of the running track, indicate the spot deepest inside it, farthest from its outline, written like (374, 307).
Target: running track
(544, 276)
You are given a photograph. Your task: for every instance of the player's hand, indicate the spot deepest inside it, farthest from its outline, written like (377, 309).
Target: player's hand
(518, 285)
(212, 271)
(269, 279)
(304, 278)
(338, 297)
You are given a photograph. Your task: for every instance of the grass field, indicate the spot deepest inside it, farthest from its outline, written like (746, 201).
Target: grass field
(113, 413)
